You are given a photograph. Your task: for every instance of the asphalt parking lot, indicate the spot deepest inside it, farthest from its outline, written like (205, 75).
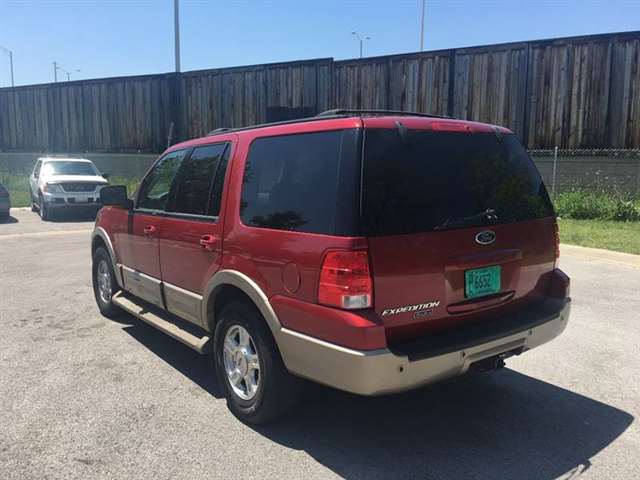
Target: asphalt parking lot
(85, 397)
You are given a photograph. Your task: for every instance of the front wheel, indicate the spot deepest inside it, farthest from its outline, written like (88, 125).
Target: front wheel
(258, 387)
(104, 283)
(45, 213)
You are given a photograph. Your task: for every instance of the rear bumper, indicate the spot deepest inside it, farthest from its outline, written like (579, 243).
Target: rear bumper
(382, 371)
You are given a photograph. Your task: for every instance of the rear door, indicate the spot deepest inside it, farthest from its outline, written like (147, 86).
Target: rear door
(459, 224)
(139, 247)
(191, 230)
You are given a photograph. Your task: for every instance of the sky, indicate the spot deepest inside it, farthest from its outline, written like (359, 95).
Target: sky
(131, 37)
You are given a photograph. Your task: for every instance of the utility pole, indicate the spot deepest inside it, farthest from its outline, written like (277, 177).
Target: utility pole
(422, 26)
(176, 29)
(10, 53)
(55, 72)
(361, 39)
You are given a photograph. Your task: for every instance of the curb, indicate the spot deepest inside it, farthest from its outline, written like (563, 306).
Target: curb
(599, 254)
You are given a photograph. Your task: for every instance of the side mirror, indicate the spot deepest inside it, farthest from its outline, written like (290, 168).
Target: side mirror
(115, 196)
(106, 176)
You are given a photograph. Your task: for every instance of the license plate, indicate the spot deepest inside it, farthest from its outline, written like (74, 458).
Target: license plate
(482, 281)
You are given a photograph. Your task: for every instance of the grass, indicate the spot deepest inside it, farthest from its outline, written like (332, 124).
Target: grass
(18, 186)
(581, 204)
(610, 235)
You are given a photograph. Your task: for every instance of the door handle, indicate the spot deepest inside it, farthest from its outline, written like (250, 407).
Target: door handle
(149, 230)
(208, 242)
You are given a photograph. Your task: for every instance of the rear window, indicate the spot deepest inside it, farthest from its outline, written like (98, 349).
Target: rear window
(424, 180)
(303, 182)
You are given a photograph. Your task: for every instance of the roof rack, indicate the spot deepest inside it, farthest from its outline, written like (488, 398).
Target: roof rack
(218, 130)
(343, 112)
(337, 113)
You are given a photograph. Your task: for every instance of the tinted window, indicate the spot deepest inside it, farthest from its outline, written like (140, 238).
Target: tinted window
(194, 189)
(218, 184)
(69, 168)
(301, 182)
(432, 180)
(156, 186)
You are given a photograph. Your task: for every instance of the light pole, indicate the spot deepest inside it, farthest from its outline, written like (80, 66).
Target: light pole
(10, 53)
(361, 39)
(422, 26)
(56, 67)
(176, 32)
(70, 73)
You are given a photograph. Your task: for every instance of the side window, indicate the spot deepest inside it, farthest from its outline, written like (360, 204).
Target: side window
(194, 194)
(292, 182)
(218, 184)
(36, 169)
(156, 186)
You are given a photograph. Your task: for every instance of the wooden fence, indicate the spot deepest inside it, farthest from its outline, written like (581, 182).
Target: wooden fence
(580, 92)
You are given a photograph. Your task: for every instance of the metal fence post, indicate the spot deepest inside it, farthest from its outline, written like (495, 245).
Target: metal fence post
(555, 165)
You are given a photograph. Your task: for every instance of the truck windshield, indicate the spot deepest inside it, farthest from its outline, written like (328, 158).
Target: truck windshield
(423, 181)
(69, 168)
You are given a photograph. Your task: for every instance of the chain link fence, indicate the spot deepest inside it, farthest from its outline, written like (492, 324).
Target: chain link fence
(602, 170)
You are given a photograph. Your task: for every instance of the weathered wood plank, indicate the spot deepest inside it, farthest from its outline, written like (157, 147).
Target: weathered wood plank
(575, 92)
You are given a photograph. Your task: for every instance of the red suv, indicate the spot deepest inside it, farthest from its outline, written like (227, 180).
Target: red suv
(371, 251)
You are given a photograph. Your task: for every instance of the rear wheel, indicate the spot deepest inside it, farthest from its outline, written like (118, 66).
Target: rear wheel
(104, 283)
(258, 387)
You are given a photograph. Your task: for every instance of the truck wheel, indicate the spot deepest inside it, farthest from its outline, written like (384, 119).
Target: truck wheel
(104, 283)
(258, 387)
(45, 214)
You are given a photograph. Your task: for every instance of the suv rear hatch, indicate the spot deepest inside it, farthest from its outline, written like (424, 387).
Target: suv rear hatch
(460, 225)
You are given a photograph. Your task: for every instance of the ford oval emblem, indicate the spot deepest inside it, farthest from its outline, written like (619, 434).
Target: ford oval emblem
(486, 237)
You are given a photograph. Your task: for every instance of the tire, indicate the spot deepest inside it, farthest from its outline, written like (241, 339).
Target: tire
(45, 213)
(102, 267)
(276, 390)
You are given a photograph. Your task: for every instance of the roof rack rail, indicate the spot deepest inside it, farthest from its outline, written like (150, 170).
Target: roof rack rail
(218, 130)
(343, 111)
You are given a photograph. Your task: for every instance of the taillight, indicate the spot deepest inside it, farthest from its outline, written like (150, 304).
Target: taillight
(345, 280)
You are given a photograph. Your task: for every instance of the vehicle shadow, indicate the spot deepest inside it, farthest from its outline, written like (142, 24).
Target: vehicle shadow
(198, 368)
(73, 216)
(498, 425)
(9, 219)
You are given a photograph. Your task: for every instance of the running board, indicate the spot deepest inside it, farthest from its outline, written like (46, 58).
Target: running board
(162, 320)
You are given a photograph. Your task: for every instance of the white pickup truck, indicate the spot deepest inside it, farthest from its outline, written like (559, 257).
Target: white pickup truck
(65, 183)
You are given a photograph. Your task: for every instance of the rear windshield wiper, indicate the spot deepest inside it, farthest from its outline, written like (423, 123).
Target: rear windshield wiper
(488, 215)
